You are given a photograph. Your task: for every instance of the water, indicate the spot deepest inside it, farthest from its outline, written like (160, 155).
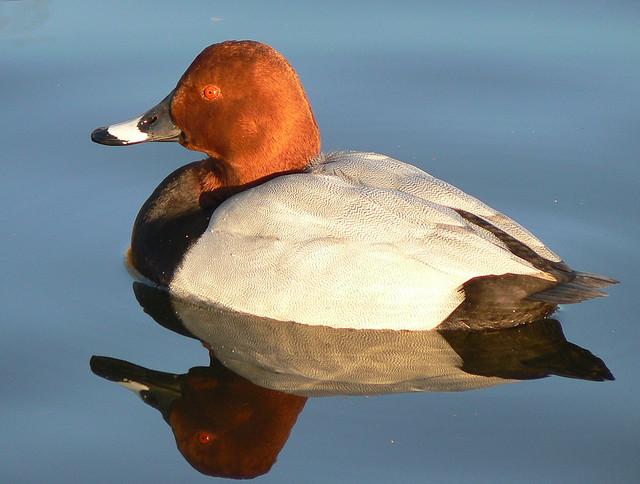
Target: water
(534, 109)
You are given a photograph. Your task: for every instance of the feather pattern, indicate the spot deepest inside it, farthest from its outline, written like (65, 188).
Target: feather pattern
(359, 240)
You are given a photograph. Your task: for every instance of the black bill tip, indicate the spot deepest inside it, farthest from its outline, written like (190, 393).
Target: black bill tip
(102, 136)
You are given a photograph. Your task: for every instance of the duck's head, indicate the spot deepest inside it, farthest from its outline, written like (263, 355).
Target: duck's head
(239, 102)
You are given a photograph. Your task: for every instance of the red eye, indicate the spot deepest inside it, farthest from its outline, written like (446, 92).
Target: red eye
(211, 92)
(205, 437)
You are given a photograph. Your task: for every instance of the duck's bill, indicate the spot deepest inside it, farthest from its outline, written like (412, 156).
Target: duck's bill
(154, 125)
(156, 388)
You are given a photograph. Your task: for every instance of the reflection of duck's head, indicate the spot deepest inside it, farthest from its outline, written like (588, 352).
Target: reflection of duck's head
(223, 424)
(238, 101)
(226, 425)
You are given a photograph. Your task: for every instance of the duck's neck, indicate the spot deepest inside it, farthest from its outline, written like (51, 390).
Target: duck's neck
(220, 180)
(256, 155)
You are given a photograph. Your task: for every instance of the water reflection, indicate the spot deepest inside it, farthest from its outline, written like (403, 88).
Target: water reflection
(223, 424)
(233, 417)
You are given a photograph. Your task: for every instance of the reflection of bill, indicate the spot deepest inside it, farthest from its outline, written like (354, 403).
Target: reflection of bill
(232, 418)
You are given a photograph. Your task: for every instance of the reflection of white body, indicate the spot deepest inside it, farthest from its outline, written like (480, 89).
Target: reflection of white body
(360, 240)
(317, 360)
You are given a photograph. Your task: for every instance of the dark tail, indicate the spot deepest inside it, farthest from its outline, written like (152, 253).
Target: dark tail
(583, 286)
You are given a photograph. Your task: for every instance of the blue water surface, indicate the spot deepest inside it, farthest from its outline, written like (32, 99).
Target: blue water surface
(534, 107)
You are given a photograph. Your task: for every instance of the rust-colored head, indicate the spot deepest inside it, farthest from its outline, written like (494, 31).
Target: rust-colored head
(241, 103)
(226, 426)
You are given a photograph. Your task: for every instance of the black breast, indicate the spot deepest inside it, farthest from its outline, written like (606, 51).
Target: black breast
(168, 223)
(177, 213)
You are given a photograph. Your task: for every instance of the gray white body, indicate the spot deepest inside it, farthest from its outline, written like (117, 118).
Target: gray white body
(359, 240)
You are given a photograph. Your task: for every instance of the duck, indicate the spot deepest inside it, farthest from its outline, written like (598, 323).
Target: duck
(267, 224)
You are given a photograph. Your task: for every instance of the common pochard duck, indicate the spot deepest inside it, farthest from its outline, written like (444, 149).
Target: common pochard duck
(267, 225)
